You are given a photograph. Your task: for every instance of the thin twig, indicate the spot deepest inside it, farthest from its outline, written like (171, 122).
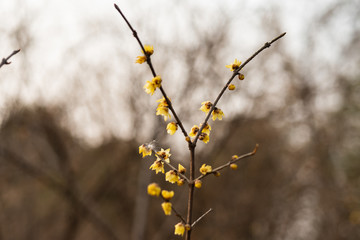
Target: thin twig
(6, 60)
(148, 60)
(197, 220)
(178, 214)
(236, 72)
(230, 162)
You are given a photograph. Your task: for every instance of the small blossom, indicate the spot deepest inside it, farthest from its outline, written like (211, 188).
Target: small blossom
(162, 102)
(198, 183)
(157, 81)
(206, 129)
(234, 157)
(179, 229)
(187, 227)
(149, 87)
(149, 50)
(163, 155)
(153, 189)
(187, 139)
(194, 130)
(181, 169)
(204, 137)
(167, 195)
(145, 150)
(163, 108)
(231, 87)
(235, 65)
(163, 111)
(166, 206)
(217, 113)
(171, 128)
(171, 176)
(140, 59)
(180, 182)
(241, 76)
(205, 169)
(206, 106)
(157, 166)
(233, 166)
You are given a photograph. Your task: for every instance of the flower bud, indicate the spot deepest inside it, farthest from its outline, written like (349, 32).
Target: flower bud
(233, 166)
(241, 76)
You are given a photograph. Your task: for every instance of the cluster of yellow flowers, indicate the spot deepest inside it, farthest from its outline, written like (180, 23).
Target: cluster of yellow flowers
(154, 189)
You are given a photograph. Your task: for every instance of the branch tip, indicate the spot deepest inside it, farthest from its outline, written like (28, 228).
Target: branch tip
(255, 149)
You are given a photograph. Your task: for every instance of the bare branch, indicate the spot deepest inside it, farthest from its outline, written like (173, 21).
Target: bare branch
(6, 60)
(197, 220)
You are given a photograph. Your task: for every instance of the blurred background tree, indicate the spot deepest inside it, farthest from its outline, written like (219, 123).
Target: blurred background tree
(73, 113)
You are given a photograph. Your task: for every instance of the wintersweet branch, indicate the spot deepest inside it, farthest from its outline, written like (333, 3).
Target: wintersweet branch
(236, 72)
(5, 61)
(230, 162)
(148, 60)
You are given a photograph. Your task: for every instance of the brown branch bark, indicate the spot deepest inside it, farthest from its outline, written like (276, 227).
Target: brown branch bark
(5, 61)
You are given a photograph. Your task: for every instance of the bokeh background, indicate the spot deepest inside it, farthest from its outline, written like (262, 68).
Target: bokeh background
(73, 113)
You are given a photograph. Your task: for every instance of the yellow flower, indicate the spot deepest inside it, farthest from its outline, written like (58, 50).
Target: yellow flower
(206, 129)
(149, 87)
(171, 176)
(181, 169)
(140, 59)
(163, 108)
(234, 157)
(166, 206)
(167, 195)
(206, 106)
(171, 128)
(194, 130)
(205, 169)
(163, 155)
(149, 50)
(204, 137)
(179, 229)
(145, 150)
(157, 81)
(234, 66)
(198, 183)
(217, 113)
(153, 189)
(217, 174)
(163, 111)
(157, 166)
(231, 87)
(162, 102)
